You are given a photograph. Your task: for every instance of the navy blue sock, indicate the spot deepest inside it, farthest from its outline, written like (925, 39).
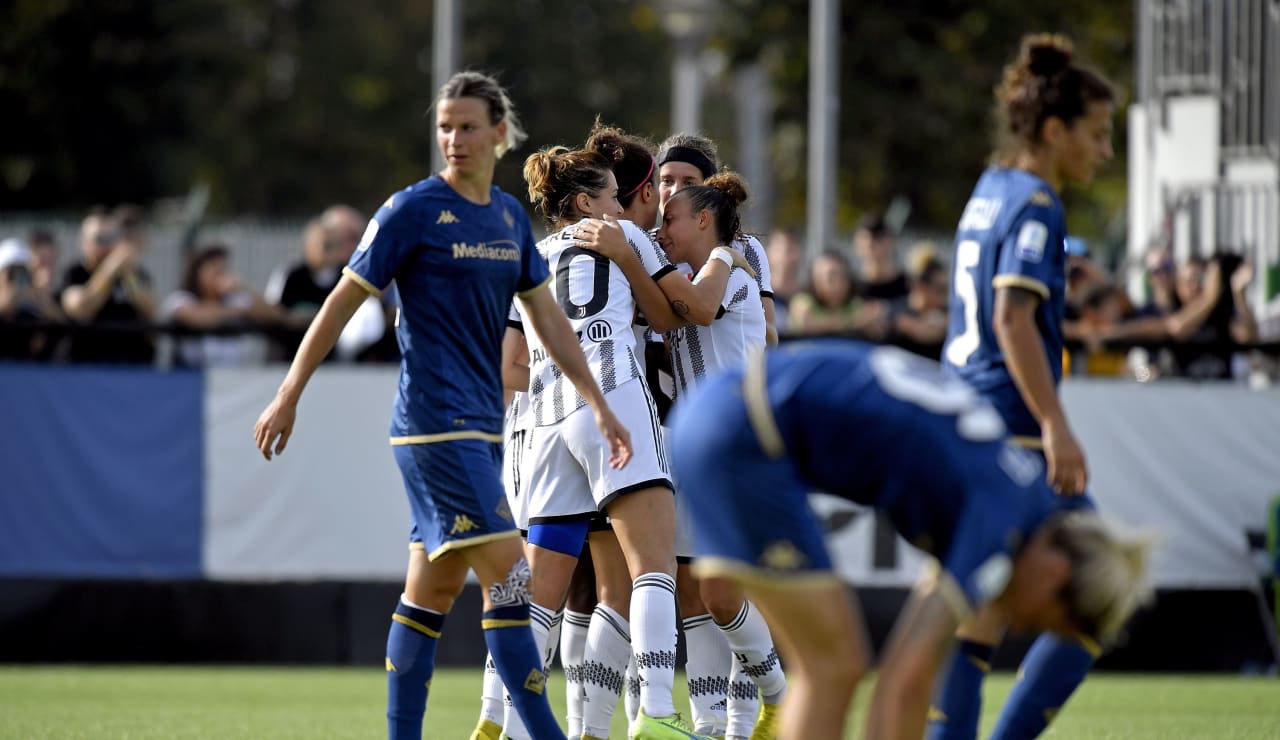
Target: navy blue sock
(957, 701)
(411, 656)
(510, 642)
(1051, 671)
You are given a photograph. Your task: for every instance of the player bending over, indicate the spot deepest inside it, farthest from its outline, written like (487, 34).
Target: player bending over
(884, 428)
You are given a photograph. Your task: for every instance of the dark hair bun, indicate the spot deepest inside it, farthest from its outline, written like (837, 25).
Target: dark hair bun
(730, 183)
(1046, 55)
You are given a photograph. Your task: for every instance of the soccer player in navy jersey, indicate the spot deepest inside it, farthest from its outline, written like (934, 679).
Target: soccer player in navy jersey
(1005, 337)
(458, 249)
(887, 429)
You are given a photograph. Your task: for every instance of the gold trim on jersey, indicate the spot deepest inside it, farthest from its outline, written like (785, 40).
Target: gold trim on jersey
(483, 539)
(534, 289)
(359, 280)
(718, 567)
(414, 625)
(759, 413)
(934, 579)
(1031, 443)
(426, 439)
(1021, 281)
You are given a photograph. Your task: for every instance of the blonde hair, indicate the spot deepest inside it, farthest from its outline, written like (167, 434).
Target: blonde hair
(1108, 571)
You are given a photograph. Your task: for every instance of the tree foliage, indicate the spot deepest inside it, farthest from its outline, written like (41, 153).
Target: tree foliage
(283, 107)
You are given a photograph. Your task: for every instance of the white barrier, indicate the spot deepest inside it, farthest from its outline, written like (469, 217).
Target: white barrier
(1196, 463)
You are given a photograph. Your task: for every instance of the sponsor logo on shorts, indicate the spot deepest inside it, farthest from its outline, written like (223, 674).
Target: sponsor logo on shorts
(463, 524)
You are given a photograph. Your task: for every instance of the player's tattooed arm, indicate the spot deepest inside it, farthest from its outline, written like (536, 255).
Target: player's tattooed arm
(681, 308)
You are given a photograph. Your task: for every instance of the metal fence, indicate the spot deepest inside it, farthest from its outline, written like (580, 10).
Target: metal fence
(1226, 48)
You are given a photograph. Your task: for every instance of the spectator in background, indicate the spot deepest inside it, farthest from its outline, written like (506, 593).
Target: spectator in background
(300, 289)
(21, 303)
(785, 253)
(1207, 353)
(878, 272)
(918, 320)
(44, 256)
(108, 287)
(829, 304)
(1163, 298)
(212, 298)
(327, 244)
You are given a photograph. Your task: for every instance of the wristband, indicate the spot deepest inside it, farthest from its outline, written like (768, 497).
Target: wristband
(724, 255)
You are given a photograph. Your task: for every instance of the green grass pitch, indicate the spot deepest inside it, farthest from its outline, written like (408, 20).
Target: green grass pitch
(142, 703)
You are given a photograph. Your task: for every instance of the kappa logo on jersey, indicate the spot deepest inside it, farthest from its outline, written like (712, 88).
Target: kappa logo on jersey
(463, 524)
(447, 217)
(1031, 241)
(511, 220)
(598, 331)
(1041, 198)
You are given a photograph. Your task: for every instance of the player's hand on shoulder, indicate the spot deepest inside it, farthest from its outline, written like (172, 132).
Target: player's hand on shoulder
(617, 435)
(603, 236)
(740, 260)
(274, 427)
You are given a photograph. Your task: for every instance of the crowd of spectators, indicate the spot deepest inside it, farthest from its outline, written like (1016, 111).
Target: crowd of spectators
(99, 305)
(102, 308)
(1195, 322)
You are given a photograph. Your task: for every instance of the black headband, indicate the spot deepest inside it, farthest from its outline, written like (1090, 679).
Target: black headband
(689, 155)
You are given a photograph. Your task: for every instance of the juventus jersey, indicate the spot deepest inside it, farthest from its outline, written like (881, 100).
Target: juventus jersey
(738, 329)
(597, 299)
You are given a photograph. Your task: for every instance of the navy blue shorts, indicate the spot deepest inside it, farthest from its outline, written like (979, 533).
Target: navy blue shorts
(455, 494)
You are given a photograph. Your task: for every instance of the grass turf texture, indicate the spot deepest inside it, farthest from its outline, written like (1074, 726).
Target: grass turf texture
(141, 703)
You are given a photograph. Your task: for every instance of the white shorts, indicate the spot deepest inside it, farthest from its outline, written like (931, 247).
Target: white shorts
(567, 465)
(515, 474)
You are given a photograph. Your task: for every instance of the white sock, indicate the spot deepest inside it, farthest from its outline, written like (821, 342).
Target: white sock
(553, 640)
(743, 703)
(632, 699)
(604, 672)
(653, 639)
(707, 663)
(491, 701)
(540, 620)
(749, 639)
(573, 647)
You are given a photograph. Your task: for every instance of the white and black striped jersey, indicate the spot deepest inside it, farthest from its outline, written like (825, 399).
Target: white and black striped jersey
(751, 248)
(597, 299)
(738, 329)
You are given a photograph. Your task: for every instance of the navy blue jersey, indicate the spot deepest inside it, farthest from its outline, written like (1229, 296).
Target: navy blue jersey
(1012, 234)
(874, 425)
(456, 266)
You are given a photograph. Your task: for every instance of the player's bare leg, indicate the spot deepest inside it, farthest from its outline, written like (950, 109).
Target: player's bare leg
(824, 645)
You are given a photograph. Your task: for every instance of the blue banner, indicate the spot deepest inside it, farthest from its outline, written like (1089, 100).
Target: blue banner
(101, 472)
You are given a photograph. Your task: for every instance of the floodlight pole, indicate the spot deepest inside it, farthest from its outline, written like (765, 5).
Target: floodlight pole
(446, 43)
(824, 115)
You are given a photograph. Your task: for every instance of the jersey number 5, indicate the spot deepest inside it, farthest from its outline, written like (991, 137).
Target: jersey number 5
(964, 344)
(599, 282)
